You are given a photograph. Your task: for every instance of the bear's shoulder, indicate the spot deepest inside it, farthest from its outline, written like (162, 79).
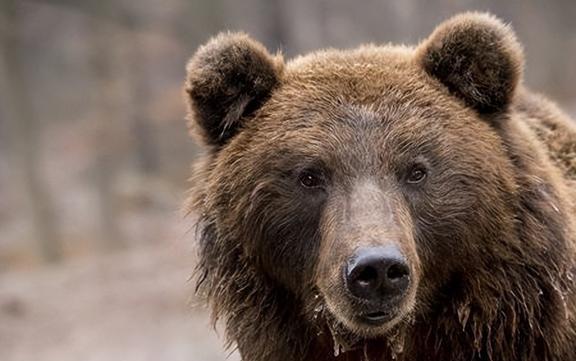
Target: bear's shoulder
(553, 128)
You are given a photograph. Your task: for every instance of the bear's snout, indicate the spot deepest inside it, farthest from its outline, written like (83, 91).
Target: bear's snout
(377, 274)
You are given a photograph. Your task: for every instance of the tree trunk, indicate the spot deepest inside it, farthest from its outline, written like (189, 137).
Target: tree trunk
(23, 134)
(146, 146)
(104, 45)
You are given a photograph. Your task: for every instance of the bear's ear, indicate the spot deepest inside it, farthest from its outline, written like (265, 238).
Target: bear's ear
(228, 79)
(477, 57)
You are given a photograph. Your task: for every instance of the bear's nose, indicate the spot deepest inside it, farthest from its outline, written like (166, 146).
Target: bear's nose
(377, 273)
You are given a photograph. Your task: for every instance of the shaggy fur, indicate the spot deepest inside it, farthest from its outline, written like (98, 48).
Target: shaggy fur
(490, 234)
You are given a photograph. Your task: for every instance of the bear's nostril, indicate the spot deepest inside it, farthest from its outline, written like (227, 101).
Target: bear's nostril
(367, 276)
(397, 271)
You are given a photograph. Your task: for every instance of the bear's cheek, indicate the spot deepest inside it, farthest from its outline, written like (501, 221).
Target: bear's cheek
(285, 237)
(451, 224)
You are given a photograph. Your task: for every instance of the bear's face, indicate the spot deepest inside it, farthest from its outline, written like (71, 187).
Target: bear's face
(360, 181)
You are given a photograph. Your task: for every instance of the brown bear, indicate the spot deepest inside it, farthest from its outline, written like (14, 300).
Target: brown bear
(385, 203)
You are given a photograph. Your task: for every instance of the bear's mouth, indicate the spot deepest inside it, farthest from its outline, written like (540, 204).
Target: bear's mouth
(377, 318)
(347, 337)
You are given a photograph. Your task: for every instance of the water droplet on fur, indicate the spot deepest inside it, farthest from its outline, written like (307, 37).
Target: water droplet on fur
(337, 346)
(317, 312)
(396, 343)
(540, 292)
(343, 340)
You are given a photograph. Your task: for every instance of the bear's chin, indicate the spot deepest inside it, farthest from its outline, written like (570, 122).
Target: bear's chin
(354, 334)
(343, 315)
(349, 327)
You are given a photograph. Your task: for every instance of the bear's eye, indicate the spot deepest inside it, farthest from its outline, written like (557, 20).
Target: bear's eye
(310, 179)
(417, 174)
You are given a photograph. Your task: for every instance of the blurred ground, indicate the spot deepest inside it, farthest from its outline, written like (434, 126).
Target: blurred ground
(128, 306)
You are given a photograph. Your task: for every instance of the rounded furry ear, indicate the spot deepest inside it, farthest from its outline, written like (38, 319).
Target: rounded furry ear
(477, 57)
(228, 79)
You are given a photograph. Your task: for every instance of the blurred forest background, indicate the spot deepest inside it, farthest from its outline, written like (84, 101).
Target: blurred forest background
(94, 154)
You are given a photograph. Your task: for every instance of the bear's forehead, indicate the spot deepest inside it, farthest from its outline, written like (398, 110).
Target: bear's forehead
(348, 125)
(348, 136)
(358, 89)
(373, 77)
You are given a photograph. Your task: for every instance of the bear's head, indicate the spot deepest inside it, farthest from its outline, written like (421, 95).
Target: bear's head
(358, 185)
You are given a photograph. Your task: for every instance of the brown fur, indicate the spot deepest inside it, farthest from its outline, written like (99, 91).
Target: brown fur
(489, 235)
